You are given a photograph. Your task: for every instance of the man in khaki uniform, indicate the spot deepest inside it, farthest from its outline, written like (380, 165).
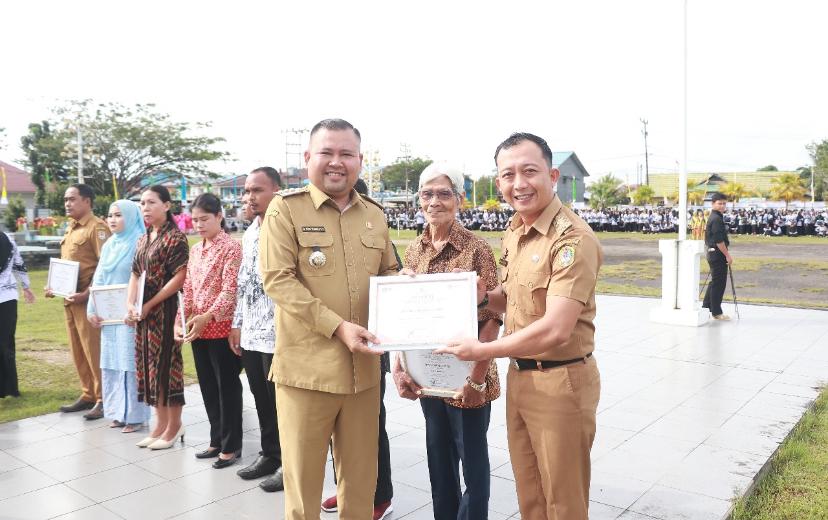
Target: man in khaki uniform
(317, 248)
(82, 243)
(550, 261)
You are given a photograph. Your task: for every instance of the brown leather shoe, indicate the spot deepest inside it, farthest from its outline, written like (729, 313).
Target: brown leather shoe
(95, 413)
(78, 406)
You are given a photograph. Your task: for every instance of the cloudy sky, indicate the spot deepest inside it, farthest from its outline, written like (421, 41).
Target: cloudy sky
(451, 78)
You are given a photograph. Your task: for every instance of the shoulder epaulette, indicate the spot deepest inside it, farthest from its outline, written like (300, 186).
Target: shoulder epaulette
(561, 223)
(292, 191)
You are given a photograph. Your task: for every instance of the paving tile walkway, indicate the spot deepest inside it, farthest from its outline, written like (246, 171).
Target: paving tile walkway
(687, 418)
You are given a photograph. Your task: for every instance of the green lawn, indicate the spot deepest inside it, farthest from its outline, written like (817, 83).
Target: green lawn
(796, 485)
(46, 374)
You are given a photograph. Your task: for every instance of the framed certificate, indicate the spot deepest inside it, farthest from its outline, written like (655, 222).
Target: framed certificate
(110, 303)
(422, 312)
(62, 279)
(180, 296)
(139, 298)
(440, 375)
(416, 315)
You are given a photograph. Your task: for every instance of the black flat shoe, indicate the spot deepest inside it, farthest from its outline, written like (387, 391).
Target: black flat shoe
(78, 406)
(274, 483)
(261, 467)
(224, 463)
(209, 453)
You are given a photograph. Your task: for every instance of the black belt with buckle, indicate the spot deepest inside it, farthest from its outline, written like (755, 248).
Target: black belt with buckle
(537, 364)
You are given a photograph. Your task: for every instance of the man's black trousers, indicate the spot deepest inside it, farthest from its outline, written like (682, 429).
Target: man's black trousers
(718, 282)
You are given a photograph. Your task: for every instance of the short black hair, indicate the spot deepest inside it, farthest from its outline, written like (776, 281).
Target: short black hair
(361, 187)
(335, 124)
(271, 173)
(518, 137)
(717, 196)
(85, 192)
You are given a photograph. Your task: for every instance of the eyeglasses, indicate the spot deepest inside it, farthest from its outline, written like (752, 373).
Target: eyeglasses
(443, 195)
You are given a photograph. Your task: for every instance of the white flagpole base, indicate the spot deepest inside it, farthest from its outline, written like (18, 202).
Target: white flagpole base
(680, 275)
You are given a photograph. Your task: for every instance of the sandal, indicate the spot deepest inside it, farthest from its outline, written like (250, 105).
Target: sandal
(116, 424)
(132, 428)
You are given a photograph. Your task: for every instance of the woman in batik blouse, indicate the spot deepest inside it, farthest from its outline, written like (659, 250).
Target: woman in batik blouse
(161, 257)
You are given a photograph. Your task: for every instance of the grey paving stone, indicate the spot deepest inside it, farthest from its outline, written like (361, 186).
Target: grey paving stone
(686, 418)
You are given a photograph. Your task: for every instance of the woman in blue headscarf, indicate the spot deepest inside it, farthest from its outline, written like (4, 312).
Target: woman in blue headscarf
(120, 394)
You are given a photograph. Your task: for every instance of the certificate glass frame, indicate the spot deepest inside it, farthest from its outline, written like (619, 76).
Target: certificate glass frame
(110, 303)
(415, 315)
(62, 278)
(139, 298)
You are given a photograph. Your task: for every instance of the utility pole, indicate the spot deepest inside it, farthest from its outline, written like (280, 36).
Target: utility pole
(405, 156)
(80, 155)
(646, 153)
(293, 144)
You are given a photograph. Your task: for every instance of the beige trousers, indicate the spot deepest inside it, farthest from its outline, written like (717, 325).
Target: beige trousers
(550, 418)
(307, 421)
(85, 344)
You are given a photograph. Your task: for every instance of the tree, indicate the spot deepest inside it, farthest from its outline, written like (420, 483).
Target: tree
(819, 154)
(45, 153)
(787, 187)
(486, 188)
(14, 210)
(605, 192)
(394, 175)
(695, 194)
(768, 168)
(735, 191)
(642, 195)
(126, 144)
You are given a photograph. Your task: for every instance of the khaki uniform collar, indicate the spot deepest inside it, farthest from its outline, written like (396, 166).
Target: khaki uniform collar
(318, 197)
(83, 220)
(543, 224)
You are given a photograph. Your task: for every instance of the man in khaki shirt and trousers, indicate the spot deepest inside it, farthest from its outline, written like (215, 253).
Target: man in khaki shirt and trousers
(82, 243)
(550, 261)
(317, 248)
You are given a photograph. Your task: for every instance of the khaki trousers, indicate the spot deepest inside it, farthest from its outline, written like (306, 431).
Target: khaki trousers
(307, 421)
(85, 343)
(550, 419)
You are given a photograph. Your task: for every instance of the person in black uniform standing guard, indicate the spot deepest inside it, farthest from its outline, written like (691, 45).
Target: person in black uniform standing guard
(718, 257)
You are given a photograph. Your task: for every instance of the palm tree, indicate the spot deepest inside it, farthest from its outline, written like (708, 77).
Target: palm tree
(605, 192)
(642, 195)
(734, 191)
(695, 195)
(787, 187)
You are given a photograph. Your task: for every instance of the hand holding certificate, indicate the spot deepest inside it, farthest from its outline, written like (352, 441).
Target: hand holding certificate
(421, 313)
(110, 303)
(62, 279)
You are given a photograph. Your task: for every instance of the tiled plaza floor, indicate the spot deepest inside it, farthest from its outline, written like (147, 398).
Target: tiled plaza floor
(687, 418)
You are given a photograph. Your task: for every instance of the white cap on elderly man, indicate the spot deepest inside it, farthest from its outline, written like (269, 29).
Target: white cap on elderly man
(438, 169)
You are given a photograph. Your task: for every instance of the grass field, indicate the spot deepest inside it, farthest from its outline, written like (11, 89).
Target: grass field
(796, 485)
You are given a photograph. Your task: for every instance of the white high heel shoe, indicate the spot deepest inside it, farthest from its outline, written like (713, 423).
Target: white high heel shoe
(161, 444)
(146, 441)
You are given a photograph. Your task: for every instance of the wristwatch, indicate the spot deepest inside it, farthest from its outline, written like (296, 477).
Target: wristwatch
(480, 387)
(484, 302)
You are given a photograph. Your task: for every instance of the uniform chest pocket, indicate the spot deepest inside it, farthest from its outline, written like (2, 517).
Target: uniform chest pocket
(77, 244)
(316, 254)
(372, 248)
(532, 292)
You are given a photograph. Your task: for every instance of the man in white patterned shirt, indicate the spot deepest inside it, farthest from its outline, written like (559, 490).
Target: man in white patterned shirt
(253, 336)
